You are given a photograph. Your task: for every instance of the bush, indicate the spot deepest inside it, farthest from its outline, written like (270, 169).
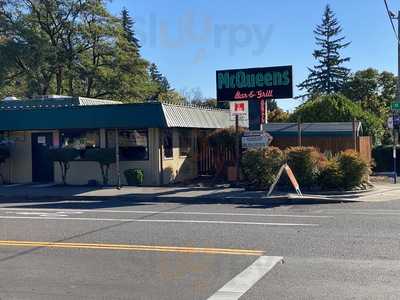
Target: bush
(355, 170)
(223, 137)
(260, 167)
(331, 176)
(105, 157)
(337, 108)
(134, 177)
(305, 163)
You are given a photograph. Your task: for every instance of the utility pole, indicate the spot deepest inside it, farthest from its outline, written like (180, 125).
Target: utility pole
(397, 98)
(392, 17)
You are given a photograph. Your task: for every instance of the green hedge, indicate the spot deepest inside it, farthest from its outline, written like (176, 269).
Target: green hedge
(259, 167)
(331, 176)
(355, 170)
(344, 171)
(305, 163)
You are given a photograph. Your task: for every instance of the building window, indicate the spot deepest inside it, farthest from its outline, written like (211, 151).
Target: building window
(133, 144)
(185, 141)
(168, 143)
(80, 138)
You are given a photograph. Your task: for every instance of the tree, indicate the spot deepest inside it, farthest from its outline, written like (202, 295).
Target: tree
(337, 108)
(374, 92)
(161, 83)
(104, 157)
(63, 156)
(328, 76)
(271, 104)
(278, 116)
(70, 46)
(127, 25)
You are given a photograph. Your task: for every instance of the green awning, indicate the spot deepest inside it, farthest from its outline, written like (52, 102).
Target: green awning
(18, 115)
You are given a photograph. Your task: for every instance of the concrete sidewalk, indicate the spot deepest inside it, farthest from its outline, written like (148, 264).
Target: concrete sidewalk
(381, 192)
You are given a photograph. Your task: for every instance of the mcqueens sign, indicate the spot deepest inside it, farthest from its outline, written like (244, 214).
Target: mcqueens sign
(257, 83)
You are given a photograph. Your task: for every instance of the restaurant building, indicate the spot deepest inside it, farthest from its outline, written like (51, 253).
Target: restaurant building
(159, 138)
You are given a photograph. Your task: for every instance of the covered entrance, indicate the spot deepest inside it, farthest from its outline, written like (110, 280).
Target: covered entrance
(42, 167)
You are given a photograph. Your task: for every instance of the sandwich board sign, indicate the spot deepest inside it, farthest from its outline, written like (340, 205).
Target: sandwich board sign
(291, 176)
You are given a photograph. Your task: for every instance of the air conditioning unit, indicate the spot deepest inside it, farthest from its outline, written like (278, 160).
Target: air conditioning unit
(46, 97)
(10, 98)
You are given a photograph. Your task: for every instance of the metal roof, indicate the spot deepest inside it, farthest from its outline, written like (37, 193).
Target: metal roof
(196, 117)
(52, 103)
(326, 128)
(86, 113)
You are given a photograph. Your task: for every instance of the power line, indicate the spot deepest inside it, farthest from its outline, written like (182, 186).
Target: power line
(391, 21)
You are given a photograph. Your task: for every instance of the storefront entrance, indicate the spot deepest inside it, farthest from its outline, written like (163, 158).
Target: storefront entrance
(42, 167)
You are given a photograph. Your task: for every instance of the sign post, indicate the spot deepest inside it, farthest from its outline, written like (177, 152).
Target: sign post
(238, 109)
(248, 91)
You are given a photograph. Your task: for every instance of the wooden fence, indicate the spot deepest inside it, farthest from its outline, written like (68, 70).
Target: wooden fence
(212, 161)
(334, 144)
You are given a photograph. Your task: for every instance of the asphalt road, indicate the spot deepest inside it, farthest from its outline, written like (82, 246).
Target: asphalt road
(140, 250)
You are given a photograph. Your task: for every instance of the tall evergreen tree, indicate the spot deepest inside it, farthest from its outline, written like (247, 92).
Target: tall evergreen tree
(127, 25)
(329, 75)
(159, 78)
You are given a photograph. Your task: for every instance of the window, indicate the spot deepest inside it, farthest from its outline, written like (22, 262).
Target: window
(133, 144)
(185, 141)
(168, 143)
(80, 138)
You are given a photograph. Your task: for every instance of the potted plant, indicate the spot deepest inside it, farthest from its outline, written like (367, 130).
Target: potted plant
(134, 177)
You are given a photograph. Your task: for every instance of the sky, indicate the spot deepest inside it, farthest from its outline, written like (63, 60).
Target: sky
(189, 40)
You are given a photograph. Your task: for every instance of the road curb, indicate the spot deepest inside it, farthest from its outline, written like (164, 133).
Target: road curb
(274, 200)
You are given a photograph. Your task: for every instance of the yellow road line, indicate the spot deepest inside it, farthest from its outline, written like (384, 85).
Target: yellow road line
(131, 248)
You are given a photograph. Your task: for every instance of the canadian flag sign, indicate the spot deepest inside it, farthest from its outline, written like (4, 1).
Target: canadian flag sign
(239, 108)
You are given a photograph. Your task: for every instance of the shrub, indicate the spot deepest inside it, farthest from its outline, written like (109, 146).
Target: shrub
(305, 163)
(223, 137)
(355, 170)
(105, 158)
(63, 156)
(331, 176)
(260, 167)
(134, 177)
(337, 108)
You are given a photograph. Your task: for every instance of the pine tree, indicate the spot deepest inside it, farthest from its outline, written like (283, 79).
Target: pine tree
(127, 25)
(328, 76)
(159, 79)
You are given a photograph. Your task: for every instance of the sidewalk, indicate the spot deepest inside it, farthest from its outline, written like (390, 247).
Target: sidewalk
(381, 192)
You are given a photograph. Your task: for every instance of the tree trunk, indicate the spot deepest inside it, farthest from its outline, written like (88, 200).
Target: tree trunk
(59, 79)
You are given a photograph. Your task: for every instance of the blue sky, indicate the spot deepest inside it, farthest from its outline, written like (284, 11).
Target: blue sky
(190, 40)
